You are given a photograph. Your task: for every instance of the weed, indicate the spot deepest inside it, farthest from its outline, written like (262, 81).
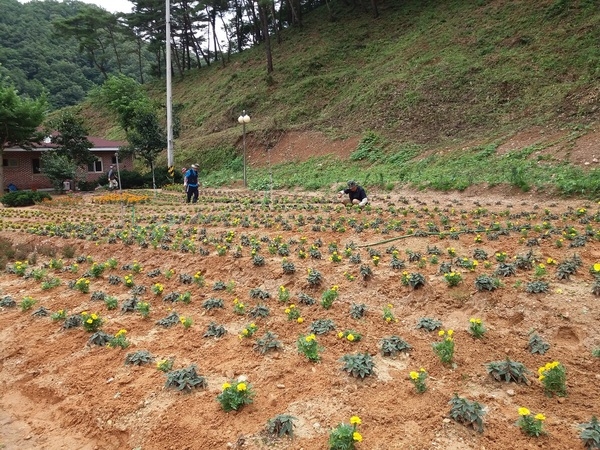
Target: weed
(590, 433)
(391, 346)
(467, 412)
(267, 343)
(138, 358)
(185, 379)
(359, 365)
(358, 311)
(429, 324)
(215, 330)
(508, 371)
(281, 425)
(213, 303)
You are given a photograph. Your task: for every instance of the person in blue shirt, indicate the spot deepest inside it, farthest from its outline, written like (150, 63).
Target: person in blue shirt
(356, 195)
(190, 182)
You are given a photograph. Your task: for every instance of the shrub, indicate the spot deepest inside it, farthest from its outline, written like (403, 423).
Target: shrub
(24, 198)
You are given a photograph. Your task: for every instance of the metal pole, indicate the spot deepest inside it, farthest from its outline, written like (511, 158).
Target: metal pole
(244, 138)
(118, 171)
(169, 95)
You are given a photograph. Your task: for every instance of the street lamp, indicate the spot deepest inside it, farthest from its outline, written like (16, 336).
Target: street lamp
(244, 119)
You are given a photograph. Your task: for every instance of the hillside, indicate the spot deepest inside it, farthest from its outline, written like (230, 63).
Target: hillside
(424, 76)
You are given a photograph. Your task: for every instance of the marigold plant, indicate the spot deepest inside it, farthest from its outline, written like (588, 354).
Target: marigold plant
(345, 436)
(531, 424)
(553, 376)
(235, 395)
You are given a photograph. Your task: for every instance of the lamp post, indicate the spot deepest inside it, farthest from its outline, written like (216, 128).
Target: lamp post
(244, 119)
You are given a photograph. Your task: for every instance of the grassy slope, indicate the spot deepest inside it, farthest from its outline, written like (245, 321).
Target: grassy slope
(425, 75)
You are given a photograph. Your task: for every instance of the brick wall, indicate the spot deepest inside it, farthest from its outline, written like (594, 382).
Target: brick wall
(21, 174)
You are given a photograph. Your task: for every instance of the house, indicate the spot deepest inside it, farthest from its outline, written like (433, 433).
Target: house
(22, 167)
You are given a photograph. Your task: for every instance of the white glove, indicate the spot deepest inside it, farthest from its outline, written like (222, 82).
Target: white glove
(363, 202)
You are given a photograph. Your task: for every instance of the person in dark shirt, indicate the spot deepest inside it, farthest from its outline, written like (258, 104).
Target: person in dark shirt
(356, 195)
(190, 182)
(112, 178)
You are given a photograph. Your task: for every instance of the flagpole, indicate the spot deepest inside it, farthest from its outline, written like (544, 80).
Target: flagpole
(169, 95)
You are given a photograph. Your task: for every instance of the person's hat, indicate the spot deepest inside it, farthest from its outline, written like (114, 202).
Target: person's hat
(194, 166)
(352, 183)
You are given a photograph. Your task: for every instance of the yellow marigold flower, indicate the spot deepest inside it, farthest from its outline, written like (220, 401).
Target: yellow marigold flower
(441, 333)
(299, 320)
(388, 319)
(450, 332)
(94, 316)
(355, 420)
(241, 387)
(472, 320)
(414, 375)
(89, 321)
(356, 436)
(350, 337)
(340, 335)
(421, 370)
(541, 377)
(524, 411)
(292, 306)
(287, 310)
(245, 332)
(540, 417)
(226, 386)
(597, 267)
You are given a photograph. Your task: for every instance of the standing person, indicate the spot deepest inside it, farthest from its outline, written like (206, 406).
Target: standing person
(112, 178)
(356, 194)
(190, 182)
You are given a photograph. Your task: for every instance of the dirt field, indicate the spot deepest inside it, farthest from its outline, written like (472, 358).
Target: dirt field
(58, 392)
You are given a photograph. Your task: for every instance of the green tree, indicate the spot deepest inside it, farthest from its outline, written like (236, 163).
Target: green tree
(58, 167)
(19, 121)
(71, 138)
(146, 137)
(69, 133)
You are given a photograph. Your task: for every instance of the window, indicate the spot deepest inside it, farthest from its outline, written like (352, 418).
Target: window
(113, 159)
(96, 166)
(35, 165)
(10, 162)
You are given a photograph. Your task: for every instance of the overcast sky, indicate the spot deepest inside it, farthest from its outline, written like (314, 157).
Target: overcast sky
(112, 5)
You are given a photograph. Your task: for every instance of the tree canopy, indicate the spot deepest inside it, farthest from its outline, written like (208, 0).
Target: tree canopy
(19, 120)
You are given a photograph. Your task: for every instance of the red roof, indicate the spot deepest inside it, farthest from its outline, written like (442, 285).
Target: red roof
(96, 143)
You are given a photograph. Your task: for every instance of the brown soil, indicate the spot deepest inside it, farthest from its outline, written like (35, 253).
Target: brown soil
(57, 392)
